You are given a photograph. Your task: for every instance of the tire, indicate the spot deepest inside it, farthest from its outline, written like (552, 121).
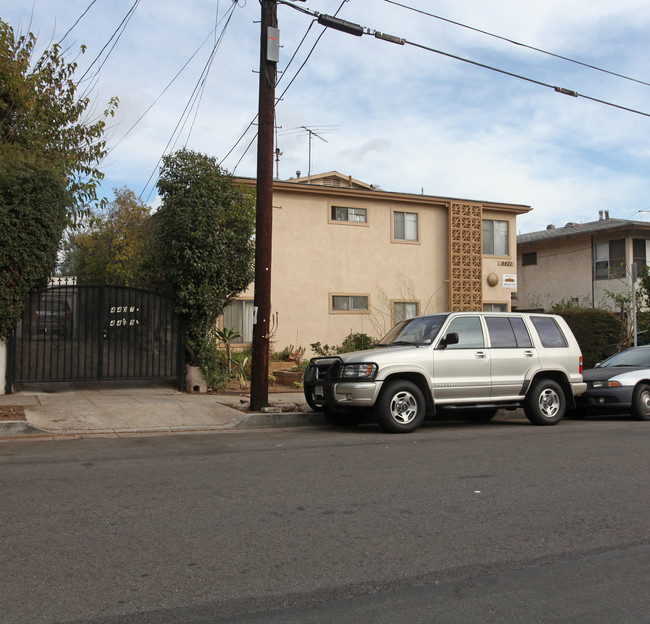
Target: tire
(344, 419)
(545, 403)
(641, 402)
(401, 407)
(480, 415)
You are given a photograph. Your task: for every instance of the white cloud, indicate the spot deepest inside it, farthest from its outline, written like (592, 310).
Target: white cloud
(405, 118)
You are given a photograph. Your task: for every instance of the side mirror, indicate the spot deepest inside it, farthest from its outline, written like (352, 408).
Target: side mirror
(449, 339)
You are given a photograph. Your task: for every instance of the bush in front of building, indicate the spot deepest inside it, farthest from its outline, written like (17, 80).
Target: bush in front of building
(355, 341)
(598, 332)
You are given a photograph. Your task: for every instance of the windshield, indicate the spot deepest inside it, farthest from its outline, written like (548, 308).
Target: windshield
(420, 330)
(629, 357)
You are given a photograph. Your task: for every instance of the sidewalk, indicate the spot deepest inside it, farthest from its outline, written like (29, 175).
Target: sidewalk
(120, 408)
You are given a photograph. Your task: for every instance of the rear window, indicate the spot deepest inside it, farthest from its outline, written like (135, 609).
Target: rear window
(549, 332)
(507, 332)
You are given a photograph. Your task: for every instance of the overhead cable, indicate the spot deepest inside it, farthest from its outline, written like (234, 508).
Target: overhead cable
(403, 41)
(518, 43)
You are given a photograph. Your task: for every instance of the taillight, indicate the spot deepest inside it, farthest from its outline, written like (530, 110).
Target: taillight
(580, 365)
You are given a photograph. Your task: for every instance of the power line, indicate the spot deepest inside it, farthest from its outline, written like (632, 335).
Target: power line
(356, 29)
(557, 89)
(193, 99)
(77, 21)
(518, 43)
(117, 33)
(252, 123)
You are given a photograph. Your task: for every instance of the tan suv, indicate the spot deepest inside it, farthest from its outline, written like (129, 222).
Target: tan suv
(471, 363)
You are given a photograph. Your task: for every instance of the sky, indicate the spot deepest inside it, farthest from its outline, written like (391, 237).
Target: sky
(405, 118)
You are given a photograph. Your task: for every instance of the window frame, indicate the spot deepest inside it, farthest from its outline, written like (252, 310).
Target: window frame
(529, 258)
(616, 264)
(333, 206)
(243, 330)
(396, 302)
(350, 297)
(641, 260)
(492, 237)
(408, 241)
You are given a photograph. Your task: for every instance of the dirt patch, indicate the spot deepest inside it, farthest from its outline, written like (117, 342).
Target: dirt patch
(12, 412)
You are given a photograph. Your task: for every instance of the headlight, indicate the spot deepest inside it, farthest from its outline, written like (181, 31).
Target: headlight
(357, 371)
(606, 384)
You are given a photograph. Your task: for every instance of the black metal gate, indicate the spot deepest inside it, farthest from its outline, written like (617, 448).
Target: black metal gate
(77, 333)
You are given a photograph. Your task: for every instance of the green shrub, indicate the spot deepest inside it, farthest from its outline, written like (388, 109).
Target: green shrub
(594, 330)
(282, 356)
(352, 342)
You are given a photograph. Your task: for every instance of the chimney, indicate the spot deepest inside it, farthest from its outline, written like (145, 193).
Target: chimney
(298, 174)
(606, 214)
(600, 215)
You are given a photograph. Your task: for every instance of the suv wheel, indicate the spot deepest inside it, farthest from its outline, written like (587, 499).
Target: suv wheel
(401, 407)
(545, 403)
(641, 402)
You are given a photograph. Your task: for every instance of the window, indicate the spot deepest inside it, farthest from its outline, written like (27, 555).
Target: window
(507, 332)
(239, 316)
(353, 215)
(529, 258)
(609, 259)
(470, 333)
(496, 235)
(549, 332)
(403, 310)
(495, 307)
(405, 226)
(640, 252)
(350, 303)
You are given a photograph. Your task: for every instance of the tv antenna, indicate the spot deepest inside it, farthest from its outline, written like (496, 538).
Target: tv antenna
(315, 131)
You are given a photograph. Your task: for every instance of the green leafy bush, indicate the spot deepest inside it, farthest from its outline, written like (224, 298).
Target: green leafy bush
(352, 342)
(594, 330)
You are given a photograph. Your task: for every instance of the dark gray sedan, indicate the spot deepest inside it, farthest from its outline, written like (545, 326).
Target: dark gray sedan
(619, 384)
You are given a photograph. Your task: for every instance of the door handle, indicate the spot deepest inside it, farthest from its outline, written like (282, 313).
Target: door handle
(529, 354)
(480, 354)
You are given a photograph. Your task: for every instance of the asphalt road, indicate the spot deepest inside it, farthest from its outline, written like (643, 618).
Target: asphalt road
(457, 522)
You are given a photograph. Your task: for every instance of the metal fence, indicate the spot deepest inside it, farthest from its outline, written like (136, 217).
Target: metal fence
(77, 333)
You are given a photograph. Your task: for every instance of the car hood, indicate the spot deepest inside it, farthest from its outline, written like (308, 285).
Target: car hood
(621, 373)
(380, 353)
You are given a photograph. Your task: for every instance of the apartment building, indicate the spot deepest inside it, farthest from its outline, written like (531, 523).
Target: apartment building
(580, 262)
(349, 257)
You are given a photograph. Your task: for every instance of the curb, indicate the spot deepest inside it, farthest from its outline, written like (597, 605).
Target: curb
(261, 420)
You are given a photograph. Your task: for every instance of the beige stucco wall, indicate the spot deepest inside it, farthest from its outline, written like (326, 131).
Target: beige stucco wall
(563, 272)
(314, 258)
(503, 267)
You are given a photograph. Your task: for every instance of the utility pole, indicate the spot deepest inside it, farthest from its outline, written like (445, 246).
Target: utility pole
(269, 49)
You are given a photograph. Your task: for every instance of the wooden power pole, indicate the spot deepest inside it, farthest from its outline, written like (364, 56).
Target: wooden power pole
(269, 49)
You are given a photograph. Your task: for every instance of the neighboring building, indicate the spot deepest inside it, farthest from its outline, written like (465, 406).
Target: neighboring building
(350, 257)
(579, 262)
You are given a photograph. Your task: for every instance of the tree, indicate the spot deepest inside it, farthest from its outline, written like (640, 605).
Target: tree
(33, 207)
(48, 157)
(42, 119)
(115, 248)
(203, 237)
